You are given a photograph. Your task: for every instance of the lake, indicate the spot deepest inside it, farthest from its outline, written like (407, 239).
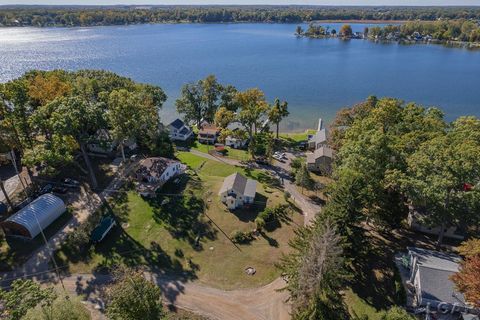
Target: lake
(316, 76)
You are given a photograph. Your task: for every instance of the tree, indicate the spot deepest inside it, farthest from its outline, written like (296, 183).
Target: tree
(466, 279)
(132, 116)
(64, 307)
(303, 178)
(438, 171)
(77, 118)
(132, 297)
(223, 117)
(277, 113)
(199, 101)
(299, 31)
(253, 109)
(23, 295)
(346, 30)
(315, 272)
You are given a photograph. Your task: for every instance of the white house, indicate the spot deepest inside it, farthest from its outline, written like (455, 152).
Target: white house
(235, 143)
(153, 173)
(179, 131)
(320, 137)
(416, 221)
(320, 160)
(237, 191)
(429, 274)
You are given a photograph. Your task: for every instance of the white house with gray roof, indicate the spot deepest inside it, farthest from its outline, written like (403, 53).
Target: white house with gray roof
(237, 191)
(430, 273)
(320, 137)
(179, 131)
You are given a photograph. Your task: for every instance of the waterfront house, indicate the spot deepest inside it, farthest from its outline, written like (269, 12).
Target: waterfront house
(208, 133)
(179, 131)
(320, 137)
(237, 191)
(152, 173)
(236, 143)
(320, 160)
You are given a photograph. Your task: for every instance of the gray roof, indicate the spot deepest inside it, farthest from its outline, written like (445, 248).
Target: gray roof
(177, 124)
(436, 259)
(319, 137)
(320, 152)
(239, 184)
(435, 269)
(39, 214)
(437, 286)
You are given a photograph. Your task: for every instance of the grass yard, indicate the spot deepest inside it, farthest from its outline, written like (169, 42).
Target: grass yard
(236, 154)
(187, 230)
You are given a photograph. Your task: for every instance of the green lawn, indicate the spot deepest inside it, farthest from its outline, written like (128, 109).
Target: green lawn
(237, 154)
(162, 233)
(359, 308)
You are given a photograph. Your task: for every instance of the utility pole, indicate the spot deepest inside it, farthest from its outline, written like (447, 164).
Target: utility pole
(2, 186)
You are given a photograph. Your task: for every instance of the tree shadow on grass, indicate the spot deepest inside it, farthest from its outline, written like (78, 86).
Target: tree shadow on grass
(180, 211)
(250, 212)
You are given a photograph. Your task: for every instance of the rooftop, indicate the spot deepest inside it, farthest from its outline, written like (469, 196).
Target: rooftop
(154, 166)
(320, 152)
(177, 123)
(240, 184)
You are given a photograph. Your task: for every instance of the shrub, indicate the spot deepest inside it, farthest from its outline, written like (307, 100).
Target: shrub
(242, 237)
(260, 223)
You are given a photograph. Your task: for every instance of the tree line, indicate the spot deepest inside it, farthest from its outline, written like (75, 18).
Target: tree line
(435, 31)
(445, 30)
(391, 156)
(48, 16)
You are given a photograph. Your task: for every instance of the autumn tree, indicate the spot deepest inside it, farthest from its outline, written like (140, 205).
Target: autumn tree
(277, 113)
(346, 30)
(467, 278)
(223, 117)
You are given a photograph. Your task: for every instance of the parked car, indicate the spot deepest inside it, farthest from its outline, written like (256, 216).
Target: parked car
(60, 189)
(71, 183)
(46, 189)
(262, 160)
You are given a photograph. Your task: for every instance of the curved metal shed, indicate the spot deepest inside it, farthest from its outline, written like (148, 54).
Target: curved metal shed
(35, 217)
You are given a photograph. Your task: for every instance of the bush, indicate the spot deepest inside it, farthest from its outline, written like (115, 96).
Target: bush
(242, 237)
(260, 223)
(287, 195)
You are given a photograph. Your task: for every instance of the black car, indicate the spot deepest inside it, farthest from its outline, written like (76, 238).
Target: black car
(46, 189)
(70, 183)
(60, 189)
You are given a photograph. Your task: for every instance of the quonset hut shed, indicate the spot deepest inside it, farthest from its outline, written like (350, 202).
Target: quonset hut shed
(35, 217)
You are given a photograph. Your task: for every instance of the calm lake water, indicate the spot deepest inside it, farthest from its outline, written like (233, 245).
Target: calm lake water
(316, 77)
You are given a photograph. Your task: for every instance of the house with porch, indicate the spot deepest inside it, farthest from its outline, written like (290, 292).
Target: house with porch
(208, 133)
